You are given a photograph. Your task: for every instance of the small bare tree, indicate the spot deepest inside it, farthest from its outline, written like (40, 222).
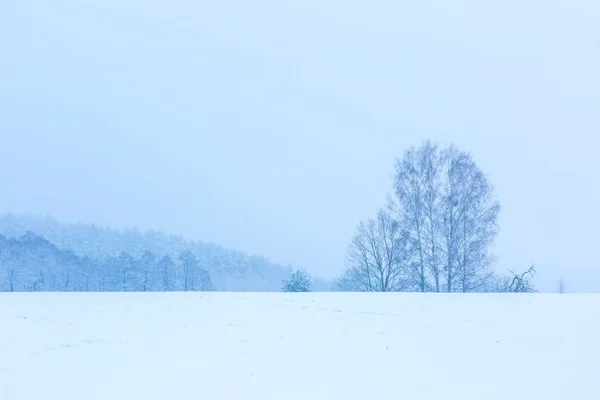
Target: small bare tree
(560, 286)
(126, 267)
(166, 266)
(148, 261)
(378, 257)
(189, 265)
(514, 282)
(521, 283)
(11, 278)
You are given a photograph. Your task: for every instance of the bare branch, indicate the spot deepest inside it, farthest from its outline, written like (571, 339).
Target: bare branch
(378, 257)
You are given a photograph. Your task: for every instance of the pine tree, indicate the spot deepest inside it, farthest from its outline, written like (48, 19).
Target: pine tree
(298, 282)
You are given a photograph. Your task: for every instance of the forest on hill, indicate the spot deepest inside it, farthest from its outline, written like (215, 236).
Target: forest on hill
(41, 253)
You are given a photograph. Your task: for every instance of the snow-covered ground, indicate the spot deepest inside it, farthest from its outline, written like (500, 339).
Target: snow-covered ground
(113, 346)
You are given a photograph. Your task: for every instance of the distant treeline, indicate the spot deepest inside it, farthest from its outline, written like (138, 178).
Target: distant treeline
(32, 263)
(41, 254)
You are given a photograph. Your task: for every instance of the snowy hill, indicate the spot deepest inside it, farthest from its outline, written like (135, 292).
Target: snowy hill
(298, 346)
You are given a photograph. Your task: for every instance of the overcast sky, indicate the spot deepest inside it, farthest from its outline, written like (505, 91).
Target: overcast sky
(272, 126)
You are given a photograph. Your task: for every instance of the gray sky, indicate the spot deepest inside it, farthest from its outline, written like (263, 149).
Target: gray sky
(273, 126)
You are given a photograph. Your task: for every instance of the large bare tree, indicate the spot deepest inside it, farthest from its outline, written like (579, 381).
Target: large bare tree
(449, 211)
(378, 257)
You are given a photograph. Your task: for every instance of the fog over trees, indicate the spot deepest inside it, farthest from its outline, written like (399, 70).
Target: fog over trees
(32, 263)
(92, 258)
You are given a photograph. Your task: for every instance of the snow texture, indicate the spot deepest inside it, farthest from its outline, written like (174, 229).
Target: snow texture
(73, 346)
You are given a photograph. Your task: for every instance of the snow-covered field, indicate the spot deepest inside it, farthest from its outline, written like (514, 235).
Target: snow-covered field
(112, 346)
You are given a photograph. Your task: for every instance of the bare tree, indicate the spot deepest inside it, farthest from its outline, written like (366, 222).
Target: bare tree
(521, 283)
(148, 260)
(560, 286)
(11, 278)
(448, 208)
(470, 212)
(189, 264)
(513, 282)
(429, 161)
(378, 257)
(126, 265)
(166, 265)
(194, 277)
(409, 208)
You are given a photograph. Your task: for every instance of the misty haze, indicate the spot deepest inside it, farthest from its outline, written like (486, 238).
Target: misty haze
(221, 189)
